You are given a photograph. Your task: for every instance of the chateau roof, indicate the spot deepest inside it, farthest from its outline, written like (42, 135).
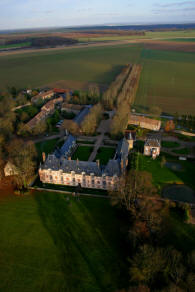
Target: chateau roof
(67, 166)
(80, 117)
(66, 146)
(112, 168)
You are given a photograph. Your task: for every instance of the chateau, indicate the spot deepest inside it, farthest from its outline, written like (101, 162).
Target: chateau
(58, 168)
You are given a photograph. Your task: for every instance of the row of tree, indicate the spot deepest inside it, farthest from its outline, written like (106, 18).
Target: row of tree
(109, 98)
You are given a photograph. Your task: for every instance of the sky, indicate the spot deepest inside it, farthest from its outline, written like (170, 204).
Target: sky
(16, 14)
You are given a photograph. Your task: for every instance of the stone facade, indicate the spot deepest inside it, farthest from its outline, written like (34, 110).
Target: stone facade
(63, 171)
(152, 147)
(144, 122)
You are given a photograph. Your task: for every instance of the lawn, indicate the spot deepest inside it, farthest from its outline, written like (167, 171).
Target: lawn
(82, 153)
(170, 144)
(47, 146)
(105, 154)
(164, 175)
(184, 151)
(51, 244)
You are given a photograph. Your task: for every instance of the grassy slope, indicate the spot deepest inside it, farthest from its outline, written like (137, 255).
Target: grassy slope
(51, 244)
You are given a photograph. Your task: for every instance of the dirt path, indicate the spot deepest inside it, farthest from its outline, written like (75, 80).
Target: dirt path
(103, 128)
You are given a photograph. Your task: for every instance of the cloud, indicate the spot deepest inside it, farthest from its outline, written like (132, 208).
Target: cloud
(176, 4)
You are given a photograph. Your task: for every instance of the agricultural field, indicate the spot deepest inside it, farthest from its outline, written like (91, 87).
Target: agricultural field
(167, 76)
(58, 244)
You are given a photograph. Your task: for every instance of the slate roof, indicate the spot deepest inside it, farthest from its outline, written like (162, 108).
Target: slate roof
(66, 146)
(112, 168)
(152, 142)
(80, 117)
(71, 165)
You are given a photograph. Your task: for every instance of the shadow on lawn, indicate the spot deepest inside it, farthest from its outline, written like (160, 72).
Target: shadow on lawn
(84, 253)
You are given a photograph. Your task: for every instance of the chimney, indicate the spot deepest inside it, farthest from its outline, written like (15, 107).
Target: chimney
(43, 156)
(98, 163)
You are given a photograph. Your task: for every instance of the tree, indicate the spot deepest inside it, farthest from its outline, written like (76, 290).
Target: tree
(163, 161)
(169, 126)
(146, 264)
(132, 185)
(91, 121)
(23, 156)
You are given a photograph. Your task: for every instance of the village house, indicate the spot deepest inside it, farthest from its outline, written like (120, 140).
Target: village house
(10, 169)
(144, 122)
(44, 95)
(152, 147)
(57, 169)
(46, 110)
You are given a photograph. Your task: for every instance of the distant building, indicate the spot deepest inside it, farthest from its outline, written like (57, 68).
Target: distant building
(46, 110)
(152, 147)
(10, 169)
(144, 122)
(82, 114)
(44, 95)
(57, 169)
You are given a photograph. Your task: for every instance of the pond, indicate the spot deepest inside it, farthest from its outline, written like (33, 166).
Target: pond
(173, 166)
(180, 193)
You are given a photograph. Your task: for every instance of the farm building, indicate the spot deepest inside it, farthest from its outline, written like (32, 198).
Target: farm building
(43, 96)
(152, 147)
(144, 122)
(46, 110)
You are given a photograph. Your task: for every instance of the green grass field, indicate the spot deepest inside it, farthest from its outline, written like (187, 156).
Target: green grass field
(167, 78)
(164, 175)
(51, 244)
(105, 154)
(82, 153)
(20, 45)
(164, 81)
(170, 144)
(47, 146)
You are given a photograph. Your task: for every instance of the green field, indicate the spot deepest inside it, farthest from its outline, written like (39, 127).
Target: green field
(167, 81)
(20, 45)
(182, 40)
(170, 144)
(51, 244)
(163, 175)
(82, 153)
(47, 146)
(167, 78)
(105, 154)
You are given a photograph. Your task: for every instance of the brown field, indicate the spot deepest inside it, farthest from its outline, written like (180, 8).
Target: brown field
(173, 104)
(168, 45)
(72, 84)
